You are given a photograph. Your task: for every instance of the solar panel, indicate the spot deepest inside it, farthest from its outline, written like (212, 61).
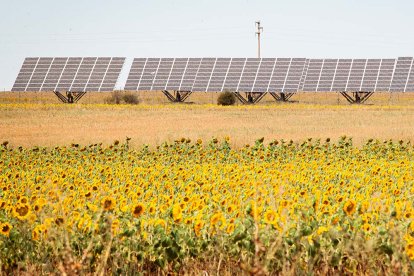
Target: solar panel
(176, 74)
(162, 74)
(401, 74)
(74, 74)
(385, 75)
(370, 77)
(190, 74)
(249, 74)
(135, 73)
(219, 74)
(148, 75)
(204, 74)
(234, 74)
(342, 73)
(294, 75)
(329, 75)
(313, 74)
(410, 83)
(305, 71)
(264, 74)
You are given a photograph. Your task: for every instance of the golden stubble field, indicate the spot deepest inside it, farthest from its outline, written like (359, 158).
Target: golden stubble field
(38, 119)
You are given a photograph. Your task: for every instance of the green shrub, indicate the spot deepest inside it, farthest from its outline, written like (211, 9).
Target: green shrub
(226, 98)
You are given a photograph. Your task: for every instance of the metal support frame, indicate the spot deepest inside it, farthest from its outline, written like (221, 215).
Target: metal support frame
(282, 97)
(70, 97)
(251, 97)
(178, 97)
(357, 97)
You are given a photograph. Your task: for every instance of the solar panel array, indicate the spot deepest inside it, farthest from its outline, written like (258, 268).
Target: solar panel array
(216, 74)
(74, 74)
(325, 75)
(285, 75)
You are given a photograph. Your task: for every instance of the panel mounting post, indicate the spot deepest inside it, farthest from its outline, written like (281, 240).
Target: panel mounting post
(70, 97)
(282, 96)
(251, 97)
(358, 97)
(178, 97)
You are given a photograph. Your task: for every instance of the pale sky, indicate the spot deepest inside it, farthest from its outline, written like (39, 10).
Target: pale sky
(203, 28)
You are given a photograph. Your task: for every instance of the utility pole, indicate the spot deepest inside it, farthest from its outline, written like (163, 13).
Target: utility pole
(259, 31)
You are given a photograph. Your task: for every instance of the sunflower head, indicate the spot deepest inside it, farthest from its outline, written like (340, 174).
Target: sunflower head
(108, 203)
(138, 210)
(177, 213)
(270, 217)
(350, 207)
(5, 229)
(21, 211)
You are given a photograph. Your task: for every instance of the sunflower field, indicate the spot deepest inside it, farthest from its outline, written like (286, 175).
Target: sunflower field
(193, 207)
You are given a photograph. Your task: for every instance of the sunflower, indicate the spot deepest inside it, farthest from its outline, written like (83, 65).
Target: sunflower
(218, 220)
(138, 210)
(152, 209)
(231, 208)
(160, 222)
(108, 203)
(409, 249)
(21, 211)
(115, 226)
(321, 230)
(35, 234)
(5, 228)
(23, 200)
(350, 207)
(39, 231)
(230, 228)
(198, 225)
(59, 221)
(177, 213)
(366, 227)
(270, 217)
(37, 208)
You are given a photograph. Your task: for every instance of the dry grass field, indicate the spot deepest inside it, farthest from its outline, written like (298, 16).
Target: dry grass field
(29, 119)
(151, 98)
